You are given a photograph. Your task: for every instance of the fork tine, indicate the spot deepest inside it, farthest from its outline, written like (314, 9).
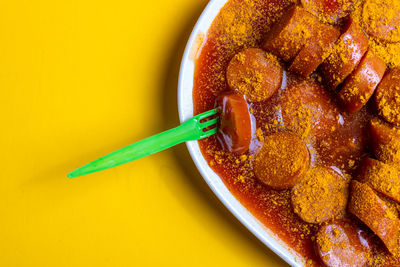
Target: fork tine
(209, 123)
(209, 133)
(207, 114)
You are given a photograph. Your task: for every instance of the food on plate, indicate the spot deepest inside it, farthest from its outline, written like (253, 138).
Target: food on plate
(385, 141)
(347, 53)
(255, 74)
(307, 108)
(387, 97)
(381, 19)
(235, 124)
(287, 37)
(282, 161)
(384, 178)
(329, 11)
(312, 54)
(320, 196)
(366, 205)
(361, 84)
(309, 141)
(342, 243)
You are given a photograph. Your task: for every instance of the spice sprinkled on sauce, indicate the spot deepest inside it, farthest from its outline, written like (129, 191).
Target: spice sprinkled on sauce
(314, 148)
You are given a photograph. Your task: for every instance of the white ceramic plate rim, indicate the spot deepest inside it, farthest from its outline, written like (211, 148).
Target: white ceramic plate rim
(185, 104)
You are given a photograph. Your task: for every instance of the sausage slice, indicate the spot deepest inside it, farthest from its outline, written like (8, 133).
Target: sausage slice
(347, 53)
(387, 97)
(342, 243)
(381, 19)
(255, 74)
(234, 132)
(382, 177)
(290, 33)
(315, 51)
(320, 196)
(361, 84)
(385, 141)
(371, 210)
(329, 11)
(282, 161)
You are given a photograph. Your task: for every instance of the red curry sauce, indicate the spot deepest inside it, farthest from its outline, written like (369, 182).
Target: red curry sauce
(244, 24)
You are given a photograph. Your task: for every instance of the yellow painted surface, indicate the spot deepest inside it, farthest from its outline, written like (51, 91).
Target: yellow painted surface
(81, 78)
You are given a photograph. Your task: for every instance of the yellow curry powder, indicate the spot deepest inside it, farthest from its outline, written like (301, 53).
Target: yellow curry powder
(386, 142)
(382, 177)
(320, 196)
(374, 16)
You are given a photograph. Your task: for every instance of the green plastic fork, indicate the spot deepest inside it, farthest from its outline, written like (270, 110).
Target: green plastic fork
(190, 130)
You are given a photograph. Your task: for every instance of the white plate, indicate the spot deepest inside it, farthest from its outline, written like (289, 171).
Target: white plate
(185, 103)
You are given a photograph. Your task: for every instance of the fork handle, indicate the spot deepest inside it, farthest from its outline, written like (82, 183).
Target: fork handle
(143, 148)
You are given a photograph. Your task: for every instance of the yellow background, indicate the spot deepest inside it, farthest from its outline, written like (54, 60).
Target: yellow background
(81, 78)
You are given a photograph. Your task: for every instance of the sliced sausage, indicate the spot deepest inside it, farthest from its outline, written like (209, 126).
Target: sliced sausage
(381, 19)
(361, 84)
(315, 51)
(255, 74)
(282, 161)
(342, 243)
(290, 33)
(329, 11)
(385, 141)
(320, 196)
(346, 55)
(382, 177)
(234, 132)
(308, 109)
(387, 97)
(372, 211)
